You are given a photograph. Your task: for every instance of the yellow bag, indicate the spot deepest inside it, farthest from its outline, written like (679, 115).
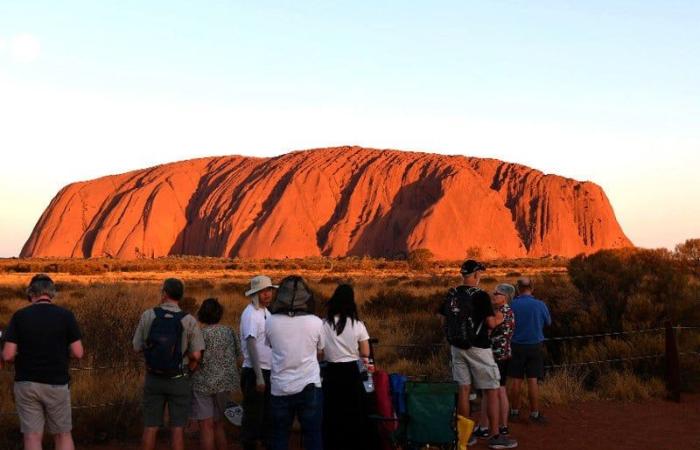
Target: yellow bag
(465, 427)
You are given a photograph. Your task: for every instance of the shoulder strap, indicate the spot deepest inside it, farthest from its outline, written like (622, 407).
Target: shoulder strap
(161, 312)
(471, 291)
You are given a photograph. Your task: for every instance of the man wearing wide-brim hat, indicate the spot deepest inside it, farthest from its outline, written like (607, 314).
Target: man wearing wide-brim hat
(257, 358)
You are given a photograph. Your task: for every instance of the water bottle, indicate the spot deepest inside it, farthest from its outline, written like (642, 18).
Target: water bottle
(366, 375)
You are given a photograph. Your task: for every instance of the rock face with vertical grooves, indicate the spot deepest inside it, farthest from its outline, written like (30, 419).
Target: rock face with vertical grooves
(333, 202)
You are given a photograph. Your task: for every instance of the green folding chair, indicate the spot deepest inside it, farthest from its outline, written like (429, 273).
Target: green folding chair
(430, 414)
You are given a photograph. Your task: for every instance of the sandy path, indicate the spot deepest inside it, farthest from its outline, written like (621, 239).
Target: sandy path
(596, 425)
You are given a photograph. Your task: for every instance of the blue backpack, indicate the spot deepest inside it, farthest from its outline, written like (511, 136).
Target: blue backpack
(163, 350)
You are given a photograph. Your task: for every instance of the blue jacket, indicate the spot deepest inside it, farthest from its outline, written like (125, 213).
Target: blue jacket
(531, 315)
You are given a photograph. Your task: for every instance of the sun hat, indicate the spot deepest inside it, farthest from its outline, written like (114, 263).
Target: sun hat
(234, 414)
(259, 283)
(294, 298)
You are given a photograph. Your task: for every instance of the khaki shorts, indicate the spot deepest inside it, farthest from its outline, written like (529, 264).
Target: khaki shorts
(475, 366)
(40, 404)
(206, 406)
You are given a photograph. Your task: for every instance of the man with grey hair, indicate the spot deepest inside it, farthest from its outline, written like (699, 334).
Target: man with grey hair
(257, 360)
(531, 316)
(39, 340)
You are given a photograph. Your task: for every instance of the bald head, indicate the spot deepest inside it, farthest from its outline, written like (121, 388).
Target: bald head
(524, 285)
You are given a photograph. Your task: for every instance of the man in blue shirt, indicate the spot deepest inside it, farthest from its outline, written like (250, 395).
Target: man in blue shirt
(531, 316)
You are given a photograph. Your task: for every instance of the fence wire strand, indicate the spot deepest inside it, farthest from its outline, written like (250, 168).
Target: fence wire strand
(605, 361)
(80, 407)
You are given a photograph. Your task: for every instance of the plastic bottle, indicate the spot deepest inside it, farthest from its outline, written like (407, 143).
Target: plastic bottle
(366, 375)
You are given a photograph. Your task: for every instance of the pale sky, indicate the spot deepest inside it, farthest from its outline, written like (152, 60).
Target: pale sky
(581, 89)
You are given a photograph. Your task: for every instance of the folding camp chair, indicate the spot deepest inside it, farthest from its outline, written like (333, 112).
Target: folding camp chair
(428, 418)
(430, 415)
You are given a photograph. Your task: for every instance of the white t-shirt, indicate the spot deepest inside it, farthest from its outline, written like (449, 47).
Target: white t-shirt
(253, 324)
(343, 347)
(295, 342)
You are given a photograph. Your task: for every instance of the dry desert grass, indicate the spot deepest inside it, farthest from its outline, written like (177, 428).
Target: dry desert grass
(397, 304)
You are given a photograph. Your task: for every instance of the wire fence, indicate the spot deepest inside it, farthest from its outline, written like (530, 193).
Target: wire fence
(140, 365)
(554, 339)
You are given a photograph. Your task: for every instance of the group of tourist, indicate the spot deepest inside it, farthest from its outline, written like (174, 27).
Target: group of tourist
(293, 364)
(191, 367)
(496, 341)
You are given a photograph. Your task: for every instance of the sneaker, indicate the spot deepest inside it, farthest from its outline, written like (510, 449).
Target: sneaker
(514, 415)
(472, 440)
(479, 432)
(538, 419)
(501, 441)
(503, 430)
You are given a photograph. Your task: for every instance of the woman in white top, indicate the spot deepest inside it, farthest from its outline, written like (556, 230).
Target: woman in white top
(346, 343)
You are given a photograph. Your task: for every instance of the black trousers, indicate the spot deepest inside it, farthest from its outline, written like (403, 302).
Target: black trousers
(256, 424)
(345, 421)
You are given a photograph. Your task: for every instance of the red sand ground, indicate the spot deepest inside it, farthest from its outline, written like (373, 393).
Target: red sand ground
(597, 425)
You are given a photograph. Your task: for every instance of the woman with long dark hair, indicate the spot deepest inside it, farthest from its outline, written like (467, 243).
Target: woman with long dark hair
(346, 347)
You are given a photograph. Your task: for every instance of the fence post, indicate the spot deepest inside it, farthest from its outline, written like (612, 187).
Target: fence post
(673, 370)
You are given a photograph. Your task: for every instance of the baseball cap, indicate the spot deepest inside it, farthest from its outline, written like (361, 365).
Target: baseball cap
(470, 266)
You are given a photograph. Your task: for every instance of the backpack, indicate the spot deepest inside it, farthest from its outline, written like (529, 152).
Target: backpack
(458, 308)
(294, 298)
(163, 349)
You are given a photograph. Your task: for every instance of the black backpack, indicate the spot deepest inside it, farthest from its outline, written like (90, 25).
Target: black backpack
(458, 309)
(163, 349)
(294, 298)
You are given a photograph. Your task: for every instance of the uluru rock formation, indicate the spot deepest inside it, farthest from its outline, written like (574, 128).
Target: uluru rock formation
(333, 202)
